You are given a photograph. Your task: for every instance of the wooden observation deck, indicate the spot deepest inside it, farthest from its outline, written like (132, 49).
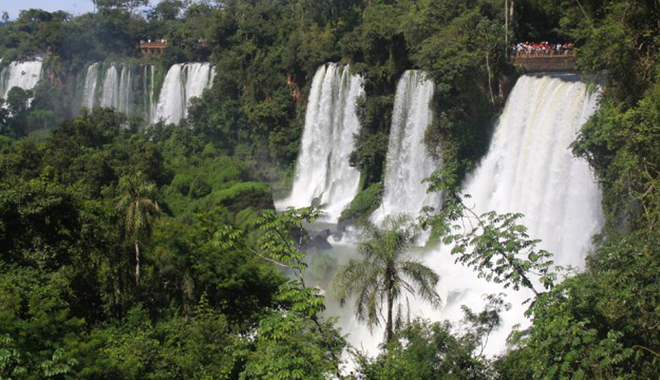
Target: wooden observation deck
(152, 49)
(535, 62)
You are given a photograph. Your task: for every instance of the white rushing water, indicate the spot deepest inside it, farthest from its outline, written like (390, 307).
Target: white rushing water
(323, 174)
(125, 94)
(89, 89)
(182, 83)
(408, 160)
(19, 74)
(110, 93)
(529, 168)
(148, 88)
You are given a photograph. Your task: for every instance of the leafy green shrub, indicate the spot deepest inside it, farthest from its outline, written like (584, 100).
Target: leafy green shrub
(181, 183)
(363, 205)
(199, 188)
(244, 195)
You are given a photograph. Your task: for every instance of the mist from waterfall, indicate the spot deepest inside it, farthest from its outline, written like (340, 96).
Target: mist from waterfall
(24, 75)
(323, 174)
(408, 160)
(182, 83)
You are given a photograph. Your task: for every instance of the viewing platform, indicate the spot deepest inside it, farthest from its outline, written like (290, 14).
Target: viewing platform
(153, 49)
(534, 62)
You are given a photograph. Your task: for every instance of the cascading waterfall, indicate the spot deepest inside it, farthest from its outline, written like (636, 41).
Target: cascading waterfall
(115, 91)
(19, 74)
(408, 160)
(125, 95)
(182, 83)
(530, 169)
(149, 88)
(323, 173)
(110, 93)
(89, 89)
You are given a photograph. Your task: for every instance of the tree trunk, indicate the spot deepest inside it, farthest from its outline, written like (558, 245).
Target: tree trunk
(506, 25)
(490, 80)
(137, 262)
(388, 324)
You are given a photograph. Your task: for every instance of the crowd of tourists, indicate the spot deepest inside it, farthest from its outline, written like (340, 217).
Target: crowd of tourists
(160, 41)
(541, 48)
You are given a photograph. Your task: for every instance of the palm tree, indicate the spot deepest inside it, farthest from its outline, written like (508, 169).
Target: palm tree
(141, 209)
(384, 273)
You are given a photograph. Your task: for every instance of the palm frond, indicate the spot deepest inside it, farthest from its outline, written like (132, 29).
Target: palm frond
(424, 279)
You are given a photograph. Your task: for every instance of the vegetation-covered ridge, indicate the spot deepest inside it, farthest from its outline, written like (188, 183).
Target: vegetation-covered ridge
(133, 252)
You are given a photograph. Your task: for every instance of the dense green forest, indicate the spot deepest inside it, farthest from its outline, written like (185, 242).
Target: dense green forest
(154, 252)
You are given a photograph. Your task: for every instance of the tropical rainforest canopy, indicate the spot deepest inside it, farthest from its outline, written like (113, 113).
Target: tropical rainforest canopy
(137, 251)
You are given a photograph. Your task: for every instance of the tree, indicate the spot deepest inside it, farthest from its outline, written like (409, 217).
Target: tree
(384, 273)
(296, 344)
(141, 211)
(5, 17)
(129, 5)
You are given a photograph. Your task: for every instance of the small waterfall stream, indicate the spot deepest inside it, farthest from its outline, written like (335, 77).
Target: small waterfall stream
(132, 91)
(110, 93)
(89, 89)
(182, 83)
(408, 160)
(19, 74)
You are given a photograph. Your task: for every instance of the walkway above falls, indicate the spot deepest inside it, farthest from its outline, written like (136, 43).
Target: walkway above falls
(535, 62)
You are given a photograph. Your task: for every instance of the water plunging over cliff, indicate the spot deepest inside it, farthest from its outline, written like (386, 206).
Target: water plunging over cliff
(530, 169)
(323, 174)
(89, 89)
(182, 83)
(110, 93)
(115, 89)
(19, 74)
(408, 160)
(125, 93)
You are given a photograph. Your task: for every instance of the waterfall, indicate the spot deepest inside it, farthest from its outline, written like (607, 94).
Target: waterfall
(323, 174)
(19, 74)
(408, 160)
(89, 89)
(110, 93)
(530, 169)
(149, 88)
(182, 83)
(125, 94)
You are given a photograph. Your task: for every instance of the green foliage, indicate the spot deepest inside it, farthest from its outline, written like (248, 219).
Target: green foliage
(211, 303)
(438, 350)
(141, 211)
(69, 302)
(364, 204)
(494, 245)
(283, 348)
